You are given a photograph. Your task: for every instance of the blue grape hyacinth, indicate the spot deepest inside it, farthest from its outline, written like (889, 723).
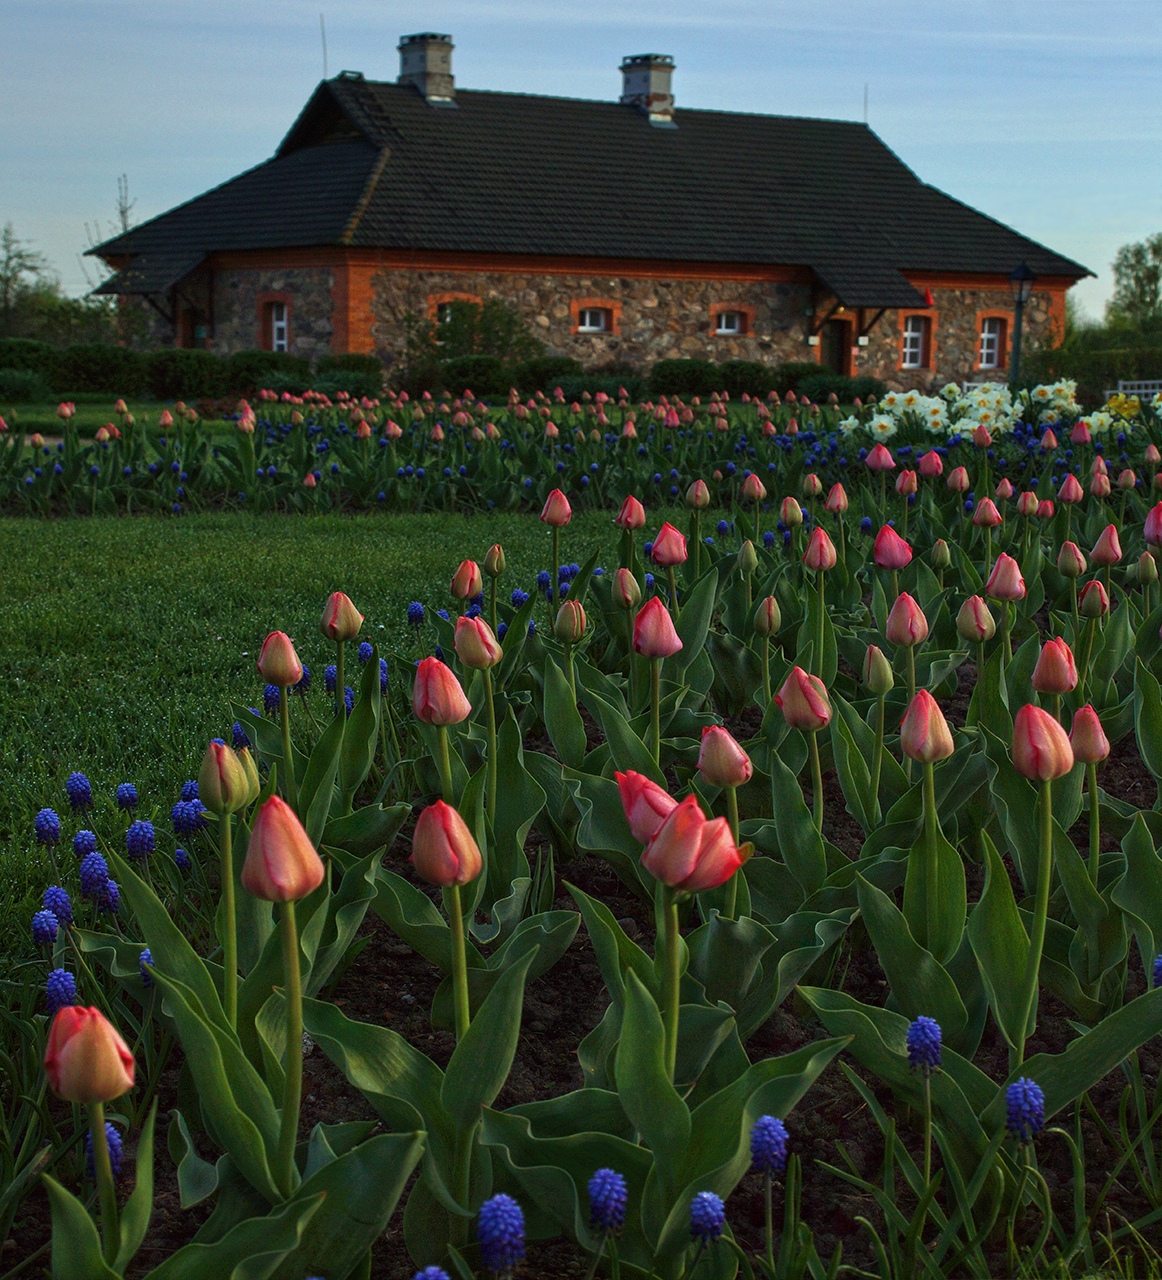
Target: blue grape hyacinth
(500, 1229)
(144, 961)
(271, 695)
(190, 788)
(84, 843)
(47, 827)
(303, 685)
(94, 874)
(182, 860)
(79, 791)
(59, 903)
(140, 840)
(126, 796)
(44, 928)
(364, 652)
(60, 990)
(768, 1145)
(608, 1194)
(415, 614)
(113, 1138)
(923, 1042)
(1158, 971)
(239, 737)
(431, 1273)
(707, 1217)
(1024, 1109)
(109, 899)
(186, 817)
(330, 676)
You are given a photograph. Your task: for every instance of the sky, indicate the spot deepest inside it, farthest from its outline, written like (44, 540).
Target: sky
(1045, 114)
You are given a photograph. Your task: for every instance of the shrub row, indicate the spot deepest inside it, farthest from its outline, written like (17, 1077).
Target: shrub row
(1095, 372)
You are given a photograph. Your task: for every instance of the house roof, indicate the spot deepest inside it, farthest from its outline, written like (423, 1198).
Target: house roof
(374, 165)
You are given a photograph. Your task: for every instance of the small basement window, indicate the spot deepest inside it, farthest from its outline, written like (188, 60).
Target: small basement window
(594, 320)
(730, 322)
(278, 326)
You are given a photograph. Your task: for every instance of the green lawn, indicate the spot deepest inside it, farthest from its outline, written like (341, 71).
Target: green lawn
(123, 641)
(93, 411)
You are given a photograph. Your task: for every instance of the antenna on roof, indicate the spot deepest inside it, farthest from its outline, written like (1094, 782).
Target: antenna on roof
(865, 104)
(323, 33)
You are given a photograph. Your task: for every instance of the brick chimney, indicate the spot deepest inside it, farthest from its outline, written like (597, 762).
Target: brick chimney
(425, 62)
(645, 86)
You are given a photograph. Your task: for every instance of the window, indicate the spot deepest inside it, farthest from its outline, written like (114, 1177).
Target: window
(915, 350)
(992, 342)
(729, 322)
(278, 326)
(593, 320)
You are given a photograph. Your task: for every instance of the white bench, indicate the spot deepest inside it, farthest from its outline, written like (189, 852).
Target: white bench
(1143, 388)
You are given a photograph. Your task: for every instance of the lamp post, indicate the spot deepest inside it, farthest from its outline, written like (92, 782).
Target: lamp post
(1021, 282)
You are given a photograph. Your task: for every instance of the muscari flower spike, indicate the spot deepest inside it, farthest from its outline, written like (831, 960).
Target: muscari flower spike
(84, 843)
(239, 737)
(416, 614)
(144, 961)
(140, 840)
(79, 791)
(607, 1200)
(303, 685)
(94, 873)
(364, 652)
(430, 1273)
(707, 1217)
(113, 1138)
(1024, 1109)
(60, 989)
(271, 694)
(190, 786)
(500, 1228)
(59, 903)
(126, 796)
(109, 899)
(186, 817)
(923, 1042)
(768, 1145)
(330, 676)
(44, 928)
(182, 860)
(1158, 971)
(47, 827)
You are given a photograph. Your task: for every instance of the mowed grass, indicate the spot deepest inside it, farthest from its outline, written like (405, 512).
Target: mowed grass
(92, 411)
(123, 643)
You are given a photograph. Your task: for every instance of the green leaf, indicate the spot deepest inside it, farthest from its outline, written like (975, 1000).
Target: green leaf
(562, 719)
(799, 842)
(604, 830)
(76, 1244)
(643, 1084)
(367, 830)
(197, 1178)
(362, 728)
(1139, 892)
(481, 1061)
(520, 798)
(1000, 944)
(852, 763)
(940, 866)
(616, 954)
(627, 749)
(694, 621)
(139, 1207)
(1148, 719)
(318, 785)
(414, 917)
(1101, 937)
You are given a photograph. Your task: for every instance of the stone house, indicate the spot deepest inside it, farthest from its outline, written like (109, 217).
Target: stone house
(628, 231)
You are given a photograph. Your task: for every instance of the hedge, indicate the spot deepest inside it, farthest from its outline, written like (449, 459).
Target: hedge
(1095, 372)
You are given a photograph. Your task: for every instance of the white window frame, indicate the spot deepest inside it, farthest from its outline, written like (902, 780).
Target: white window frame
(279, 327)
(915, 335)
(443, 312)
(992, 330)
(730, 322)
(594, 320)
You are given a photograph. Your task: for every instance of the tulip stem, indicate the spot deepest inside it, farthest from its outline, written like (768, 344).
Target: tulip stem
(1073, 599)
(671, 982)
(490, 701)
(878, 757)
(444, 763)
(459, 959)
(766, 656)
(656, 708)
(674, 590)
(289, 786)
(931, 830)
(819, 580)
(1083, 674)
(1094, 821)
(927, 1126)
(1006, 641)
(696, 538)
(229, 922)
(731, 905)
(988, 551)
(556, 568)
(492, 602)
(1040, 914)
(103, 1168)
(293, 1086)
(340, 687)
(816, 781)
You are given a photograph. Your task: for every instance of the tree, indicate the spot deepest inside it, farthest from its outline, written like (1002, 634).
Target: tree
(21, 268)
(1137, 299)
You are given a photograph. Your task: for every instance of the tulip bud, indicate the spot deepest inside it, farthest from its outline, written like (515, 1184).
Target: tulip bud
(645, 804)
(669, 547)
(1071, 490)
(1147, 569)
(1099, 487)
(1071, 561)
(975, 622)
(982, 437)
(1027, 503)
(767, 617)
(748, 560)
(1041, 749)
(1048, 440)
(837, 499)
(1087, 737)
(906, 624)
(1099, 467)
(475, 644)
(444, 852)
(753, 489)
(277, 661)
(1107, 550)
(253, 781)
(691, 854)
(85, 1059)
(812, 485)
(890, 550)
(791, 513)
(721, 761)
(1005, 582)
(1080, 433)
(906, 484)
(627, 593)
(1004, 490)
(1152, 454)
(986, 515)
(569, 626)
(1045, 509)
(820, 554)
(281, 862)
(958, 480)
(931, 465)
(1127, 479)
(924, 732)
(1093, 601)
(1056, 671)
(632, 514)
(1152, 529)
(466, 581)
(223, 786)
(341, 620)
(877, 671)
(804, 702)
(437, 697)
(879, 459)
(494, 564)
(556, 512)
(698, 495)
(653, 631)
(940, 557)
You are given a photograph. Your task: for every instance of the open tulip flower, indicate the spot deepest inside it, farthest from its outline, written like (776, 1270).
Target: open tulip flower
(691, 853)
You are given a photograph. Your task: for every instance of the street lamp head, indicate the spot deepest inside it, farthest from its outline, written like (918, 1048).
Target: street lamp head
(1021, 282)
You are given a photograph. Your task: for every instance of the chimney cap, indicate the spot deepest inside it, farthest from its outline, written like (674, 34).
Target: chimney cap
(633, 60)
(425, 37)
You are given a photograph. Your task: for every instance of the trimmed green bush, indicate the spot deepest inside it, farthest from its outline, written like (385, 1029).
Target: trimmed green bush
(353, 381)
(24, 385)
(97, 366)
(786, 377)
(251, 371)
(26, 353)
(350, 362)
(1095, 372)
(175, 373)
(611, 383)
(818, 386)
(544, 373)
(483, 375)
(683, 378)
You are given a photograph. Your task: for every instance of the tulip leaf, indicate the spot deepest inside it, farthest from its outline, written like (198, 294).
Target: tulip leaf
(628, 750)
(197, 1178)
(139, 1207)
(76, 1244)
(693, 622)
(1015, 802)
(852, 764)
(805, 654)
(367, 830)
(361, 734)
(318, 784)
(1117, 638)
(936, 864)
(1000, 944)
(1148, 720)
(519, 799)
(604, 830)
(799, 842)
(616, 955)
(562, 719)
(1101, 932)
(1139, 892)
(481, 1061)
(414, 917)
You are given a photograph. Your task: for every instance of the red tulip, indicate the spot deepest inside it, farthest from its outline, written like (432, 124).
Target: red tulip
(1004, 490)
(975, 622)
(557, 512)
(277, 661)
(906, 624)
(669, 547)
(646, 805)
(924, 732)
(1087, 737)
(1099, 486)
(1080, 433)
(692, 854)
(981, 436)
(1071, 490)
(1153, 526)
(931, 465)
(1045, 509)
(85, 1059)
(721, 761)
(1093, 601)
(698, 495)
(437, 697)
(820, 554)
(341, 620)
(1056, 671)
(1107, 549)
(467, 581)
(632, 514)
(653, 631)
(986, 515)
(890, 550)
(1005, 581)
(444, 852)
(906, 484)
(476, 645)
(880, 459)
(1041, 749)
(281, 864)
(804, 702)
(753, 488)
(837, 499)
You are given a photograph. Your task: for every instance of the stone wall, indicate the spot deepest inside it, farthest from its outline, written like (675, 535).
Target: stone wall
(238, 296)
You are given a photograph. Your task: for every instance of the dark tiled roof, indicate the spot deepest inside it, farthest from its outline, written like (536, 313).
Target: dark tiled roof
(152, 272)
(372, 164)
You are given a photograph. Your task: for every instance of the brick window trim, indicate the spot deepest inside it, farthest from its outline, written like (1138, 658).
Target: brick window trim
(747, 313)
(437, 300)
(929, 361)
(994, 313)
(577, 305)
(265, 335)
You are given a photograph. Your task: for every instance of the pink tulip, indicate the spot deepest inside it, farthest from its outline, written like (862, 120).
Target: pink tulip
(1048, 440)
(467, 581)
(341, 620)
(1099, 486)
(645, 804)
(836, 501)
(1005, 582)
(1127, 479)
(986, 515)
(475, 644)
(924, 732)
(906, 484)
(444, 851)
(1045, 509)
(1087, 737)
(820, 554)
(277, 661)
(1080, 433)
(812, 485)
(1004, 490)
(1071, 490)
(632, 514)
(1056, 671)
(1041, 749)
(804, 702)
(1071, 562)
(669, 547)
(1152, 530)
(958, 480)
(85, 1059)
(691, 854)
(281, 864)
(890, 550)
(975, 622)
(721, 761)
(626, 592)
(1107, 549)
(1027, 503)
(698, 495)
(880, 459)
(753, 489)
(653, 631)
(1093, 601)
(791, 513)
(556, 512)
(931, 465)
(437, 697)
(906, 624)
